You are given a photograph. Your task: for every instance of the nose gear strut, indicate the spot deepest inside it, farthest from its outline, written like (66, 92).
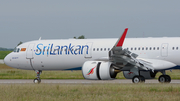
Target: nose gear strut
(37, 80)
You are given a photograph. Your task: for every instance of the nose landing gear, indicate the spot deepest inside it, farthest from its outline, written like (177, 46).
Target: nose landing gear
(37, 80)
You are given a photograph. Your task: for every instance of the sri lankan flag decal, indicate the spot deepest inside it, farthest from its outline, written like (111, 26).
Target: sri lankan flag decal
(91, 71)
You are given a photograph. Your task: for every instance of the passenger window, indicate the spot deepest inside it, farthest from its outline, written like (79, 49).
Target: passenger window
(150, 48)
(108, 49)
(173, 48)
(157, 48)
(146, 48)
(154, 48)
(97, 49)
(139, 48)
(131, 48)
(176, 48)
(104, 49)
(143, 48)
(134, 48)
(93, 49)
(101, 49)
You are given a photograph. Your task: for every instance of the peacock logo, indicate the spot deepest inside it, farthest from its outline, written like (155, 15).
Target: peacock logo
(91, 71)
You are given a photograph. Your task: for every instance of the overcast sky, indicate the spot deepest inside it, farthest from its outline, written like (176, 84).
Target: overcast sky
(27, 20)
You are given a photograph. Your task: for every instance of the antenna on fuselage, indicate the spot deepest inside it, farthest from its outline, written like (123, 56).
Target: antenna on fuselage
(40, 38)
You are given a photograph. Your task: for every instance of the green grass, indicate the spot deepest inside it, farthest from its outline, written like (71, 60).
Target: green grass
(4, 53)
(90, 92)
(7, 72)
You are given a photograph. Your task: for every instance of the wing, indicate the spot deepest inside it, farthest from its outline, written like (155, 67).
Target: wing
(123, 58)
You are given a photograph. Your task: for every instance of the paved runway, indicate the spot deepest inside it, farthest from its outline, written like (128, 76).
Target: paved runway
(76, 81)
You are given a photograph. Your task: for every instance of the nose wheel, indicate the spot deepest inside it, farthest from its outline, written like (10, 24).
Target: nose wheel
(37, 80)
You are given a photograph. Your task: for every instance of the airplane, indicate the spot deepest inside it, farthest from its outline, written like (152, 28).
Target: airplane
(100, 59)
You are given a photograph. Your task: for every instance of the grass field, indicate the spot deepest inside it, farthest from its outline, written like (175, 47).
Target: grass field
(7, 72)
(82, 92)
(90, 92)
(3, 54)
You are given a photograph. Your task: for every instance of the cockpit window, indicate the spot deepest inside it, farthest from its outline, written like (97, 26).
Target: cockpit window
(17, 50)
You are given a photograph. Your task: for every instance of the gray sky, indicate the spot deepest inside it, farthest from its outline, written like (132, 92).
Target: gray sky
(26, 20)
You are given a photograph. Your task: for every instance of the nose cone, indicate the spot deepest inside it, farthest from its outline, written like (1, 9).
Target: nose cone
(7, 60)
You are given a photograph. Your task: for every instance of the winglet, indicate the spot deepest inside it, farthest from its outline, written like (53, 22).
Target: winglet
(120, 42)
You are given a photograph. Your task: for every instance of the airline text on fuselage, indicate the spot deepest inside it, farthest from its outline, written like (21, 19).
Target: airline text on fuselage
(59, 50)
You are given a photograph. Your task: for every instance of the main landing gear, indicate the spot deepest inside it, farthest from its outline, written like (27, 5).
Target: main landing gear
(164, 78)
(138, 79)
(37, 80)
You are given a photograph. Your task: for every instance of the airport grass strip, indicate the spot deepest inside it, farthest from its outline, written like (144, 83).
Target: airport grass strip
(4, 53)
(90, 92)
(7, 72)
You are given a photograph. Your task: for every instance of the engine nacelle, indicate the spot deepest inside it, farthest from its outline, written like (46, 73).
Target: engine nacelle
(98, 70)
(145, 74)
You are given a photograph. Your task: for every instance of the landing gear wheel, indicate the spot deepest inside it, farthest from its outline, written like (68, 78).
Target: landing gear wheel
(168, 78)
(138, 79)
(36, 80)
(164, 79)
(142, 79)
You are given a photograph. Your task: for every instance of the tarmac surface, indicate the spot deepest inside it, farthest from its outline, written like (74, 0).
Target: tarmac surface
(76, 81)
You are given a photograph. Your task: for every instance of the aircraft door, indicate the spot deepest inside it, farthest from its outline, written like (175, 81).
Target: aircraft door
(164, 50)
(29, 53)
(88, 50)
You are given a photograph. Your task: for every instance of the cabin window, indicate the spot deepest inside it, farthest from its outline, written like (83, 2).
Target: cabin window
(150, 48)
(139, 48)
(97, 49)
(154, 48)
(146, 48)
(143, 48)
(176, 48)
(131, 48)
(104, 49)
(173, 48)
(157, 48)
(101, 49)
(135, 48)
(94, 49)
(108, 49)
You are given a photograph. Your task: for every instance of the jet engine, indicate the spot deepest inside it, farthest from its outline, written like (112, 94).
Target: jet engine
(99, 70)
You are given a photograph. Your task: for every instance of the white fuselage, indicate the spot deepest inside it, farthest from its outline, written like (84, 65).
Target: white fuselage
(72, 53)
